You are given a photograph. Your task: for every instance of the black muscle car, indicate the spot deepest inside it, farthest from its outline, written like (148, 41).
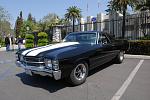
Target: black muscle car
(74, 57)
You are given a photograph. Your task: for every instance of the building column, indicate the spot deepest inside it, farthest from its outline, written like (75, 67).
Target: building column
(56, 34)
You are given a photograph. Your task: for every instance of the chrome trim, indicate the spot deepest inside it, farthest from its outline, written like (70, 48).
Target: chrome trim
(41, 70)
(34, 62)
(57, 74)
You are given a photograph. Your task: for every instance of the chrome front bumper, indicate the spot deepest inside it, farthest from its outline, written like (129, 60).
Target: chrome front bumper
(40, 70)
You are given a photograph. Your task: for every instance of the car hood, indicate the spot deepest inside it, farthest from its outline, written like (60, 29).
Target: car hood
(59, 50)
(38, 50)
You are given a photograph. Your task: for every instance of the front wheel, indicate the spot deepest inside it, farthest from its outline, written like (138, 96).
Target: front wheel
(79, 73)
(120, 57)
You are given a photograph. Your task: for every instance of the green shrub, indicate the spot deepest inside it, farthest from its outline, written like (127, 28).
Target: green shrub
(29, 36)
(140, 47)
(29, 41)
(145, 38)
(42, 42)
(42, 39)
(29, 45)
(42, 35)
(2, 42)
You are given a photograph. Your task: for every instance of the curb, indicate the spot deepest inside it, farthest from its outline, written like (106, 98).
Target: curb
(136, 56)
(15, 48)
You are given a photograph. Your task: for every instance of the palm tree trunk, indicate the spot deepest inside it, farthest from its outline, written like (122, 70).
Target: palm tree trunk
(73, 23)
(123, 23)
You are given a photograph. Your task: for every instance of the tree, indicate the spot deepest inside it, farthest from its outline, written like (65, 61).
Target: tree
(64, 22)
(73, 14)
(143, 5)
(18, 25)
(49, 20)
(27, 26)
(121, 5)
(4, 15)
(30, 18)
(110, 7)
(5, 26)
(32, 27)
(42, 26)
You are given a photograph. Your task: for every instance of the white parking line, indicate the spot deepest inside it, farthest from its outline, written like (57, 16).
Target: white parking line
(123, 88)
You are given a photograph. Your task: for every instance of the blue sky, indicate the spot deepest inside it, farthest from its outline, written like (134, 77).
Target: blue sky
(40, 8)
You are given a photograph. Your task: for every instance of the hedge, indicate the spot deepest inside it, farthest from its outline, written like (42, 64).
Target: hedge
(139, 47)
(2, 42)
(29, 36)
(145, 38)
(29, 41)
(42, 39)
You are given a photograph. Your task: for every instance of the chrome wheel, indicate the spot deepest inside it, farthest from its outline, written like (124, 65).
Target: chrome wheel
(120, 57)
(80, 71)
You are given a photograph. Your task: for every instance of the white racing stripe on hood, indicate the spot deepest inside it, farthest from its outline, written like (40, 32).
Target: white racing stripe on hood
(26, 51)
(55, 46)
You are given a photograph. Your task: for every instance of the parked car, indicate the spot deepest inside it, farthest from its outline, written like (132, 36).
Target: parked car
(74, 57)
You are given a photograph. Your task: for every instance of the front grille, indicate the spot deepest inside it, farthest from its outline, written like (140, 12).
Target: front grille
(33, 61)
(35, 64)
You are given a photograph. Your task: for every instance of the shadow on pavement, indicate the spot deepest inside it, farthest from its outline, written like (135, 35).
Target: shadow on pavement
(50, 84)
(46, 83)
(99, 68)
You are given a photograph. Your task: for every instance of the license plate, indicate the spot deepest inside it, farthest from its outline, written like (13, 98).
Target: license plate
(28, 72)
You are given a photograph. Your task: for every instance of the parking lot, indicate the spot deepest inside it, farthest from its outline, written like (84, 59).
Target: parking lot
(127, 81)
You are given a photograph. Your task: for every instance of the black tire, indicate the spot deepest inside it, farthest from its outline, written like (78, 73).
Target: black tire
(120, 57)
(79, 74)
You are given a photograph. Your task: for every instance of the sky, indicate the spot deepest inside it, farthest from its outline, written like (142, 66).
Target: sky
(40, 8)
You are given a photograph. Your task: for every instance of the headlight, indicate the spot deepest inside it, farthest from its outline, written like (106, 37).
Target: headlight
(48, 63)
(52, 64)
(55, 64)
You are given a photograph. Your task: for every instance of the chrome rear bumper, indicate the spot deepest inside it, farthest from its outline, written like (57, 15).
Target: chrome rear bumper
(40, 70)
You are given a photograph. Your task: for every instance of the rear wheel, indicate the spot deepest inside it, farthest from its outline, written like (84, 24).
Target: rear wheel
(120, 57)
(79, 73)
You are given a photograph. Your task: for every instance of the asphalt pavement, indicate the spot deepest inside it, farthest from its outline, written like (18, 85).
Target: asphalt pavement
(127, 81)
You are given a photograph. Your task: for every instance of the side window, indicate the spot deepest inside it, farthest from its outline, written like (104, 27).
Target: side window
(103, 39)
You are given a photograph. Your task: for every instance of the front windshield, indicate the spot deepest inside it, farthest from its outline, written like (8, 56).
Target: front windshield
(83, 38)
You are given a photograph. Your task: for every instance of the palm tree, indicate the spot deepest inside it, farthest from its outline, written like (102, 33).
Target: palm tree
(142, 6)
(121, 5)
(73, 13)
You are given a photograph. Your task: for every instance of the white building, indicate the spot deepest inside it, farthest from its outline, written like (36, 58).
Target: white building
(137, 25)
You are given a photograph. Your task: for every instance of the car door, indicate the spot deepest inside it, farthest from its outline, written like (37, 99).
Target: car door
(100, 52)
(104, 51)
(107, 49)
